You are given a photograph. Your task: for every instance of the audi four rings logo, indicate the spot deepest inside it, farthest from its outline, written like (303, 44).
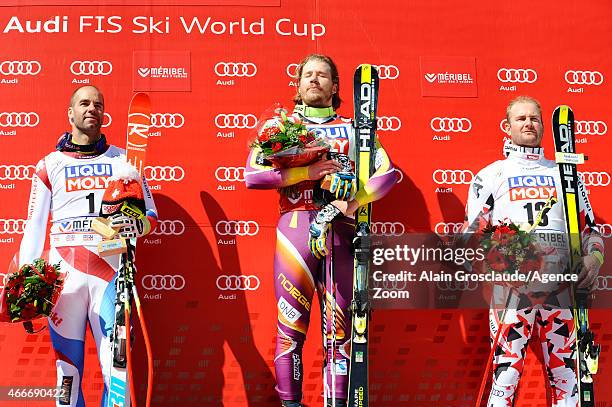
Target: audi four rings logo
(167, 120)
(502, 125)
(444, 229)
(229, 174)
(164, 173)
(400, 175)
(595, 179)
(457, 285)
(584, 77)
(387, 228)
(107, 120)
(91, 68)
(387, 71)
(452, 176)
(19, 119)
(237, 283)
(235, 121)
(239, 69)
(388, 123)
(391, 285)
(454, 124)
(603, 283)
(591, 127)
(517, 75)
(20, 67)
(12, 226)
(237, 228)
(169, 228)
(163, 282)
(605, 229)
(16, 172)
(292, 70)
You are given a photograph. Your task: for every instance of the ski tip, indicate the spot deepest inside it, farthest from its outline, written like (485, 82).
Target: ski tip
(141, 98)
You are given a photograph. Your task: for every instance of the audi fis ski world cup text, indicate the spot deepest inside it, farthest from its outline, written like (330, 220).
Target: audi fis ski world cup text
(164, 25)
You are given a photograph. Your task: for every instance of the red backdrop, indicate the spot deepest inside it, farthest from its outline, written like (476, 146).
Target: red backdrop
(448, 69)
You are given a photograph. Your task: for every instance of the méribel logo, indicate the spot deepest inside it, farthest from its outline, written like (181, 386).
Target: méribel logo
(443, 76)
(162, 71)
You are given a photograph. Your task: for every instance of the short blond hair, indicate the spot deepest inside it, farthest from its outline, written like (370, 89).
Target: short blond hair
(522, 99)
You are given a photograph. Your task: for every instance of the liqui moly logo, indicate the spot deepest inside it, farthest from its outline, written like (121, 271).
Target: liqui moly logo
(87, 176)
(531, 187)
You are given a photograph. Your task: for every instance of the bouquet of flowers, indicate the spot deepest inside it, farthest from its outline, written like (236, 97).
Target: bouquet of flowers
(31, 292)
(286, 142)
(509, 248)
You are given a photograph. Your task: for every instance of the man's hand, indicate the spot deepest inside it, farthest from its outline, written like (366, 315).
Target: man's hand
(343, 185)
(129, 227)
(589, 270)
(317, 240)
(322, 168)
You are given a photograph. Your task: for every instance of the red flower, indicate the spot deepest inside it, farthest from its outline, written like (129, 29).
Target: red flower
(503, 234)
(496, 260)
(276, 147)
(303, 139)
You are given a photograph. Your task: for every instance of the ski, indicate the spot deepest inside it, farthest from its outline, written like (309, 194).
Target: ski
(139, 121)
(585, 352)
(365, 99)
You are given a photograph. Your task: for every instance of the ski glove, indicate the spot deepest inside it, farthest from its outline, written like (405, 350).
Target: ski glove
(318, 230)
(129, 227)
(343, 185)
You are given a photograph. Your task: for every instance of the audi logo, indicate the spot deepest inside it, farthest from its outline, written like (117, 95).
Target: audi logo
(229, 174)
(605, 229)
(595, 179)
(387, 228)
(502, 125)
(240, 69)
(400, 175)
(292, 70)
(391, 285)
(235, 121)
(237, 228)
(445, 229)
(517, 75)
(457, 285)
(603, 283)
(167, 120)
(163, 282)
(387, 71)
(91, 68)
(12, 226)
(591, 127)
(454, 124)
(169, 228)
(497, 393)
(388, 123)
(19, 119)
(452, 176)
(237, 283)
(164, 173)
(584, 77)
(16, 172)
(107, 120)
(20, 67)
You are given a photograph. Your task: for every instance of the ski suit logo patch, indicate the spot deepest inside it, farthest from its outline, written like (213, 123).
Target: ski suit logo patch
(531, 187)
(88, 176)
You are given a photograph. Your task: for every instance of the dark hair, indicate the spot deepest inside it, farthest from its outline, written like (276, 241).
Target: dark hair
(336, 101)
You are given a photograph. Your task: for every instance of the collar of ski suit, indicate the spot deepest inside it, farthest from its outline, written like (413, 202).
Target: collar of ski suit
(524, 153)
(309, 111)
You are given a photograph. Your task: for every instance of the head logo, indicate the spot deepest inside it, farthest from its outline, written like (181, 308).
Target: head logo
(164, 173)
(235, 121)
(20, 68)
(169, 228)
(595, 179)
(584, 78)
(163, 282)
(236, 69)
(91, 68)
(237, 228)
(292, 71)
(457, 285)
(591, 127)
(226, 174)
(237, 283)
(512, 75)
(167, 120)
(445, 229)
(12, 226)
(388, 123)
(387, 228)
(107, 120)
(457, 177)
(452, 124)
(19, 119)
(387, 71)
(16, 172)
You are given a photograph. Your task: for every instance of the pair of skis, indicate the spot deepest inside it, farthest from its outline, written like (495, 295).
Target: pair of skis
(121, 377)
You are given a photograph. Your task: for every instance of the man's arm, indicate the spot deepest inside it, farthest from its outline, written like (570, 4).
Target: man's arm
(592, 242)
(34, 234)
